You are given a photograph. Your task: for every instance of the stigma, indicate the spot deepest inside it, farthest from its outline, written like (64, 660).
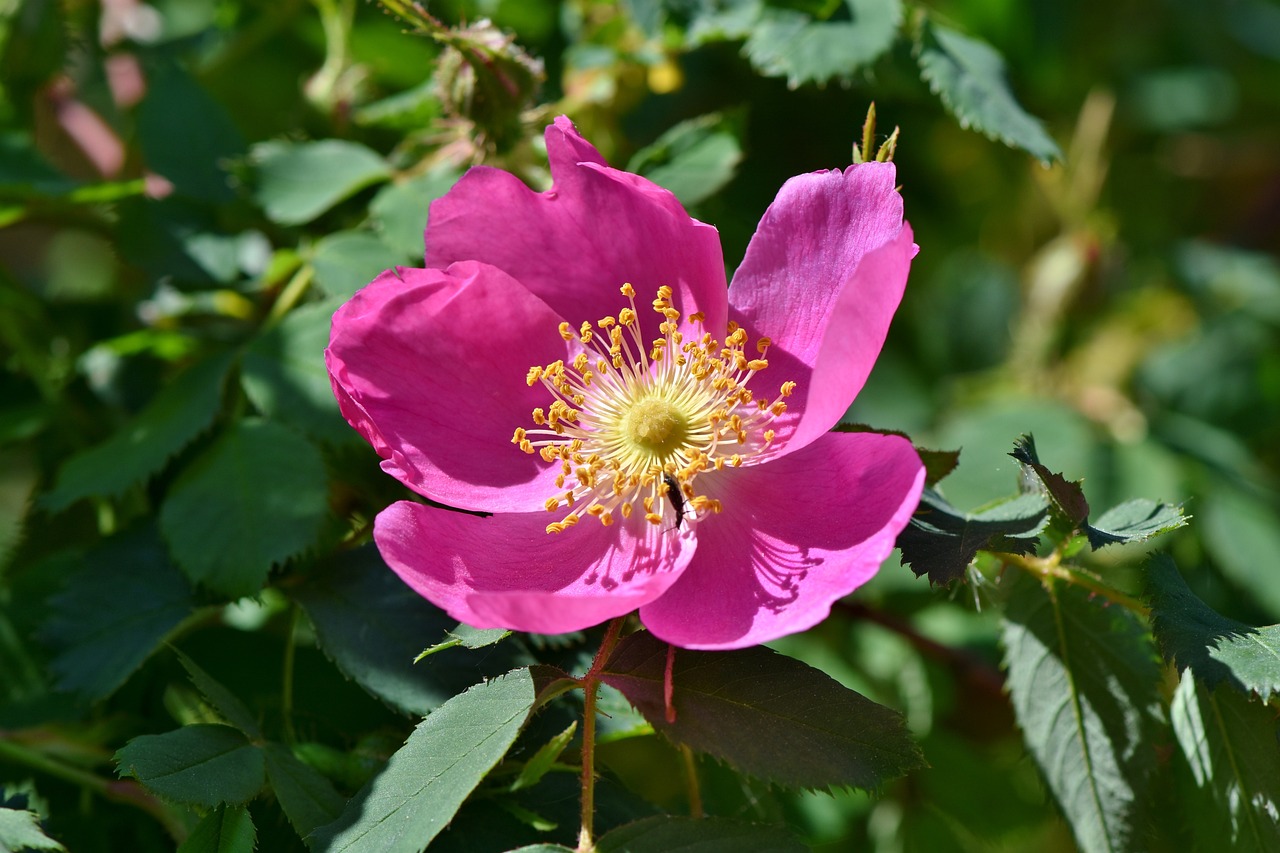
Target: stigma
(634, 426)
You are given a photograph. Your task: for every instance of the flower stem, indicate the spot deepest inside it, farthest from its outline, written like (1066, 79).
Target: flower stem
(1052, 567)
(691, 781)
(590, 682)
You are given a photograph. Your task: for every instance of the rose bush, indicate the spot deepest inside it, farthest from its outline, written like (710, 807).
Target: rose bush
(571, 364)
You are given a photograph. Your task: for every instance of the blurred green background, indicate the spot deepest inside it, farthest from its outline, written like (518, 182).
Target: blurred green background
(195, 180)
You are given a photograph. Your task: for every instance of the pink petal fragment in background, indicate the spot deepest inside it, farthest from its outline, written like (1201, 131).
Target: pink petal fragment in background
(506, 571)
(429, 366)
(577, 243)
(822, 278)
(795, 536)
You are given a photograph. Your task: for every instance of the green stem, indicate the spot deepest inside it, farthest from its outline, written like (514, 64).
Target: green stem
(590, 682)
(1051, 567)
(290, 295)
(691, 781)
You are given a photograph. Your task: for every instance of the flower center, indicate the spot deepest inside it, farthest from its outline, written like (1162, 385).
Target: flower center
(634, 425)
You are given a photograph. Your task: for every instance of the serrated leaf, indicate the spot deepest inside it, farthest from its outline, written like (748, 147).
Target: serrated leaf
(181, 411)
(308, 799)
(969, 76)
(253, 499)
(1217, 649)
(399, 211)
(765, 714)
(695, 159)
(114, 612)
(1083, 678)
(186, 135)
(1067, 496)
(788, 43)
(941, 541)
(348, 260)
(284, 375)
(1230, 744)
(226, 829)
(938, 464)
(226, 703)
(665, 834)
(542, 760)
(1134, 521)
(298, 181)
(427, 779)
(373, 626)
(20, 830)
(198, 765)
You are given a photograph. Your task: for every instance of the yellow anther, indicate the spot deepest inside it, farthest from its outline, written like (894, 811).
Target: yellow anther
(627, 317)
(606, 518)
(566, 331)
(526, 446)
(757, 364)
(552, 504)
(595, 510)
(606, 322)
(786, 389)
(736, 460)
(763, 344)
(653, 518)
(778, 408)
(535, 373)
(627, 510)
(628, 291)
(698, 317)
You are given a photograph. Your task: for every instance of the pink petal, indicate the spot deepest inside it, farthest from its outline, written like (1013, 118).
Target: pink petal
(822, 278)
(506, 571)
(577, 243)
(796, 534)
(430, 365)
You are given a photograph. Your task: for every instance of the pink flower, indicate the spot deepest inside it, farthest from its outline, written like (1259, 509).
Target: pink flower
(572, 364)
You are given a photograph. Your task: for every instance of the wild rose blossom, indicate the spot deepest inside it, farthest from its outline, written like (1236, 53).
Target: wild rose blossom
(571, 364)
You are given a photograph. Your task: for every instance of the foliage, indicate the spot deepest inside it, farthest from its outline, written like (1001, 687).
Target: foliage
(200, 649)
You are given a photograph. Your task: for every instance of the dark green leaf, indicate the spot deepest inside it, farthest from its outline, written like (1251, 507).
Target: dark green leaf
(399, 211)
(114, 613)
(284, 375)
(226, 703)
(765, 714)
(543, 848)
(348, 260)
(969, 77)
(1082, 678)
(1068, 497)
(253, 499)
(199, 765)
(226, 829)
(695, 159)
(1215, 648)
(664, 834)
(1230, 745)
(941, 540)
(298, 181)
(185, 135)
(1242, 533)
(938, 464)
(428, 778)
(20, 830)
(373, 626)
(1134, 521)
(308, 799)
(537, 766)
(182, 410)
(791, 44)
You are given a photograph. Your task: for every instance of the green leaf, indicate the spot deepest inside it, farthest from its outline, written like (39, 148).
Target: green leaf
(468, 638)
(765, 714)
(399, 211)
(253, 499)
(186, 135)
(226, 829)
(1242, 533)
(1067, 496)
(1082, 678)
(20, 830)
(1215, 648)
(308, 799)
(941, 540)
(694, 159)
(791, 44)
(198, 765)
(114, 612)
(1231, 747)
(285, 377)
(665, 834)
(373, 626)
(226, 703)
(428, 778)
(348, 260)
(298, 181)
(969, 77)
(547, 755)
(181, 411)
(1134, 521)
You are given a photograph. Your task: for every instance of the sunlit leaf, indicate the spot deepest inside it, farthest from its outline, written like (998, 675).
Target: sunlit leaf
(1082, 678)
(765, 714)
(428, 778)
(346, 261)
(694, 159)
(1134, 521)
(20, 830)
(298, 181)
(789, 43)
(399, 211)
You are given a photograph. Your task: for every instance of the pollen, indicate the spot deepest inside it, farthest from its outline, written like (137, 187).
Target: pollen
(642, 422)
